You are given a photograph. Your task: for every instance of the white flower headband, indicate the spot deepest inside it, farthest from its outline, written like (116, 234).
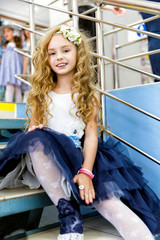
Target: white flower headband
(71, 34)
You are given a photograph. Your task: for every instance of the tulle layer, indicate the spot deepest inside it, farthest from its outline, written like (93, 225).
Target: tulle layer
(115, 174)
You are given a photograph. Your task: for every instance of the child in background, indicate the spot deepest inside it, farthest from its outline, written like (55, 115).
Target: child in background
(2, 90)
(72, 166)
(12, 63)
(26, 63)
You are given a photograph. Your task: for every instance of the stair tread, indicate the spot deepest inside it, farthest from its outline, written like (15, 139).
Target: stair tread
(2, 146)
(14, 193)
(89, 234)
(95, 228)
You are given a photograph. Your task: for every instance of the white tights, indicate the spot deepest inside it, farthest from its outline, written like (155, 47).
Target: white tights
(128, 224)
(49, 176)
(10, 91)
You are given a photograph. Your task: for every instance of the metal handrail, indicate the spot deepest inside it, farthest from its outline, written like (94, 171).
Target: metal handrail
(133, 24)
(127, 66)
(84, 13)
(21, 51)
(148, 7)
(129, 105)
(131, 42)
(19, 77)
(136, 56)
(133, 147)
(29, 29)
(94, 19)
(100, 21)
(52, 2)
(89, 11)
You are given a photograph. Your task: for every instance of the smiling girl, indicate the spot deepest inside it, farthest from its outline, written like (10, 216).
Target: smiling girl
(71, 164)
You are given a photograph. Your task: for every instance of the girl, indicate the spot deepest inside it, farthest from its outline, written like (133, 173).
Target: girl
(71, 165)
(12, 63)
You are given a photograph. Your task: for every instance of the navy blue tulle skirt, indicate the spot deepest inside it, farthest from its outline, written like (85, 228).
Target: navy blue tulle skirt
(115, 174)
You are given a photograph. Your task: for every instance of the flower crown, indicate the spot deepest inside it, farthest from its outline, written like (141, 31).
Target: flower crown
(71, 34)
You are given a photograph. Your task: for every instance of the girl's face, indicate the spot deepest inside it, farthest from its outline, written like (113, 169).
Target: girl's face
(62, 55)
(8, 34)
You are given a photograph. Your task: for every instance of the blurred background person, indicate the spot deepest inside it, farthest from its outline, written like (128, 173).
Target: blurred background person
(153, 43)
(26, 63)
(11, 64)
(2, 91)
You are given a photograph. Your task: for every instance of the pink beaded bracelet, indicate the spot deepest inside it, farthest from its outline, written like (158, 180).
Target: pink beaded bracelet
(87, 172)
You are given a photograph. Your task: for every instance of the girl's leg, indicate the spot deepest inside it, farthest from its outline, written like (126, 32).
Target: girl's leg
(18, 94)
(128, 224)
(50, 177)
(9, 92)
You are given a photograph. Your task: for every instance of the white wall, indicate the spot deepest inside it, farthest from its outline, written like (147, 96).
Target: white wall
(20, 10)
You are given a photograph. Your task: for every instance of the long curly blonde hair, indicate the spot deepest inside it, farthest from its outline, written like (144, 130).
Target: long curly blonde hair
(43, 80)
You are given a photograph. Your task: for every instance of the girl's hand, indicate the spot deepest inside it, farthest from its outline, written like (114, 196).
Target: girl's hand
(34, 127)
(119, 11)
(88, 193)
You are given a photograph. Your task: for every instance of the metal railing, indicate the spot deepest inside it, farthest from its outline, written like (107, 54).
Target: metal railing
(148, 7)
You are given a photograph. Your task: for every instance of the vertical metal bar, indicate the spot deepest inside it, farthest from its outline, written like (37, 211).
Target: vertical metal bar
(101, 66)
(32, 27)
(75, 10)
(116, 79)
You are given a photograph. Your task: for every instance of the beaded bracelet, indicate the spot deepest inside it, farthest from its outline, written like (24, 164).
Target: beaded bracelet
(87, 172)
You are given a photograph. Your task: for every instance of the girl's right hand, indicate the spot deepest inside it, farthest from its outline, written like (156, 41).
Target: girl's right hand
(88, 193)
(34, 127)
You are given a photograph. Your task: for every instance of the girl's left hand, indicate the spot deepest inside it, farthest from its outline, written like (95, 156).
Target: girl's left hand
(88, 193)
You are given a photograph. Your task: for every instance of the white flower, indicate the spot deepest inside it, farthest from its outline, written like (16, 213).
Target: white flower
(71, 34)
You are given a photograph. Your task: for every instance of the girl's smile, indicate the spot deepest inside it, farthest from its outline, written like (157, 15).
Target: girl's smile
(61, 65)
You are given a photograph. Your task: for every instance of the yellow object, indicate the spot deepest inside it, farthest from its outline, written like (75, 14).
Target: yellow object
(7, 106)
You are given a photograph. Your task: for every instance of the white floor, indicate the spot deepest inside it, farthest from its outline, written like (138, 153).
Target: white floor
(95, 228)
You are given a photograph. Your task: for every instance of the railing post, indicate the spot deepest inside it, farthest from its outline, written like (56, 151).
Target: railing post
(32, 27)
(115, 66)
(75, 10)
(101, 66)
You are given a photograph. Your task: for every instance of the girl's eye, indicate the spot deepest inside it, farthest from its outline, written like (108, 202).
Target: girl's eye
(66, 50)
(51, 53)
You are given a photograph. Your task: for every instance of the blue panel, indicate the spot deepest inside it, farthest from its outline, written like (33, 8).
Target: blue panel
(21, 110)
(137, 128)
